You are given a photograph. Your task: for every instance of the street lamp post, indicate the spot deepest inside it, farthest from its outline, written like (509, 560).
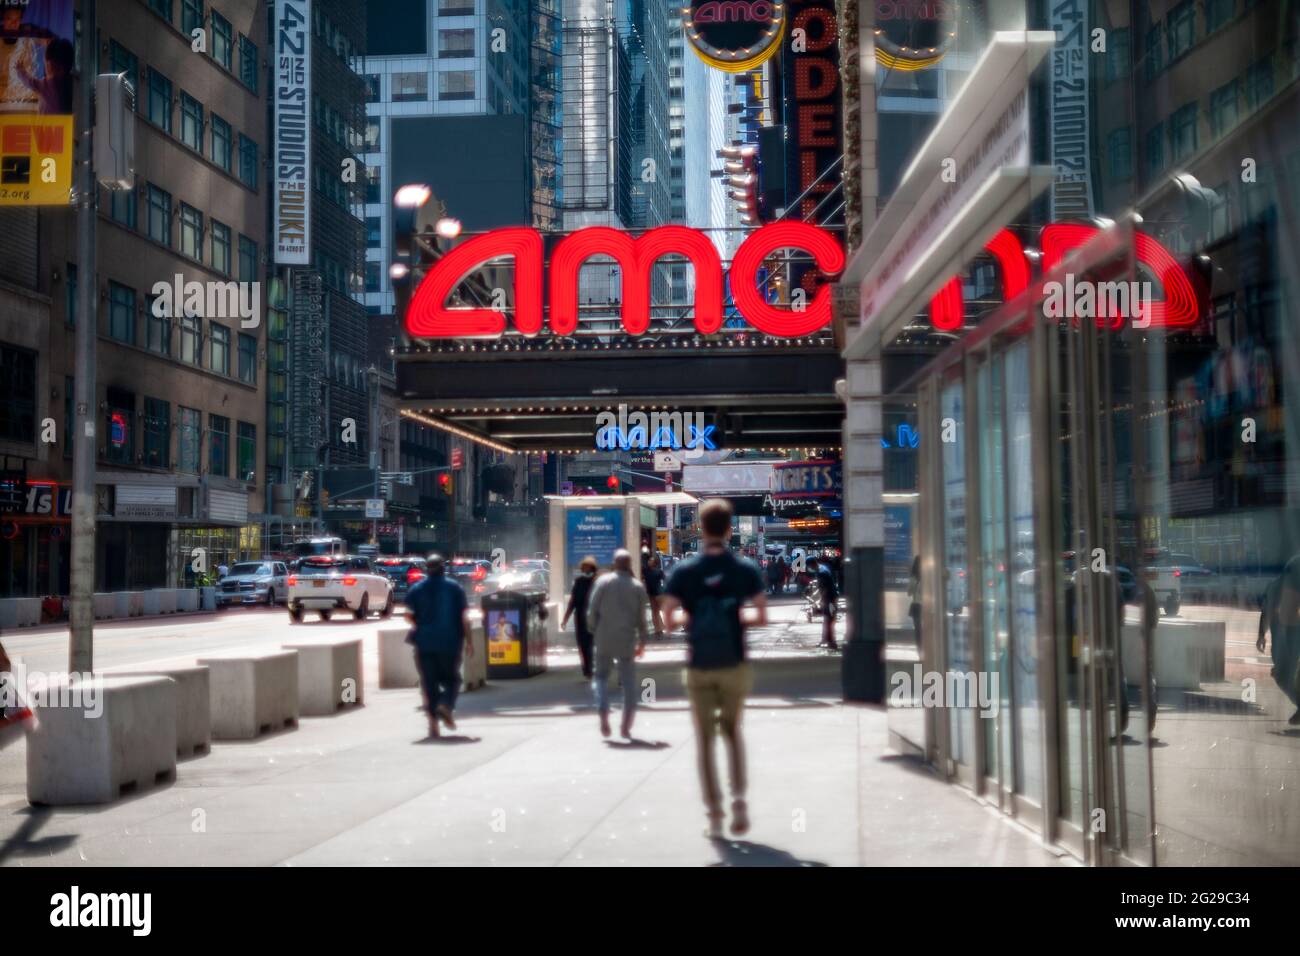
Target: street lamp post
(372, 376)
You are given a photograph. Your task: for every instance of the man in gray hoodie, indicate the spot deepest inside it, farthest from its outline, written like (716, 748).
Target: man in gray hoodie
(616, 614)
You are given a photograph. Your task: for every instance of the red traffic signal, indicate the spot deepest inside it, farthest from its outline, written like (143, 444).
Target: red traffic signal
(444, 481)
(612, 482)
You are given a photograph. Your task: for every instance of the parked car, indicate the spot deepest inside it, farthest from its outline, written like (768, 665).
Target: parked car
(403, 572)
(254, 582)
(338, 582)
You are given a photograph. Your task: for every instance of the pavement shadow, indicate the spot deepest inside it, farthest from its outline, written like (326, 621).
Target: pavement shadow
(745, 853)
(24, 841)
(448, 739)
(636, 743)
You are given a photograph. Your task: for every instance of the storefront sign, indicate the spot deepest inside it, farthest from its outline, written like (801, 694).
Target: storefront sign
(734, 35)
(37, 59)
(814, 130)
(430, 317)
(652, 431)
(593, 531)
(19, 496)
(914, 34)
(812, 479)
(1072, 182)
(156, 502)
(291, 135)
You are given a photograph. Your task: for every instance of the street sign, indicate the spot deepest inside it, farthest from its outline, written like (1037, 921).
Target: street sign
(667, 461)
(566, 487)
(457, 459)
(374, 507)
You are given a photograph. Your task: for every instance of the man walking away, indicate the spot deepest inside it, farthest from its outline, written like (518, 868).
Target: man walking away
(1280, 614)
(616, 613)
(654, 587)
(713, 589)
(437, 607)
(577, 607)
(829, 598)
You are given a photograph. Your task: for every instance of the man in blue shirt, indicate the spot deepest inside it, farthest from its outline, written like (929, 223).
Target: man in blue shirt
(437, 608)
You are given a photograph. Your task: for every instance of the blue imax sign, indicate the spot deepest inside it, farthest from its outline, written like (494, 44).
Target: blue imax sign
(650, 431)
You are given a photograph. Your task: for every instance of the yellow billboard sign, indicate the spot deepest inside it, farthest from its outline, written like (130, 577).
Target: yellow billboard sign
(35, 160)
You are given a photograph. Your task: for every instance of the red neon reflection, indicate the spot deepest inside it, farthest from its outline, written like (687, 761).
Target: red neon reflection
(428, 315)
(947, 308)
(635, 258)
(826, 253)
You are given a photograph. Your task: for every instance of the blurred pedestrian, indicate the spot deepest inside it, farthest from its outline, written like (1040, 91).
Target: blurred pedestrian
(654, 587)
(721, 595)
(829, 597)
(914, 596)
(437, 606)
(616, 613)
(1281, 615)
(577, 609)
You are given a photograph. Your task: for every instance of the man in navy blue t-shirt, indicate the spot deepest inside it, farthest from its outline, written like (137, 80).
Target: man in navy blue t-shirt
(437, 607)
(721, 595)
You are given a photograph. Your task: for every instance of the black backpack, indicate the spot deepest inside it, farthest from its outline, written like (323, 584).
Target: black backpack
(716, 639)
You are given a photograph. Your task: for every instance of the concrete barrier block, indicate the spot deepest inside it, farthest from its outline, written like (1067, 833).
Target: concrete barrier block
(166, 601)
(329, 674)
(19, 612)
(134, 603)
(552, 624)
(74, 757)
(1186, 653)
(397, 667)
(252, 692)
(193, 702)
(187, 599)
(474, 666)
(105, 605)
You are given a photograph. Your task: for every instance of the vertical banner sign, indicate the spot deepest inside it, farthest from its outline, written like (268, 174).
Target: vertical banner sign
(36, 63)
(814, 128)
(1072, 181)
(292, 133)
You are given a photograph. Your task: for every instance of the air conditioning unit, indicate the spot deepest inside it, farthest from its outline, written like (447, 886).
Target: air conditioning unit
(114, 131)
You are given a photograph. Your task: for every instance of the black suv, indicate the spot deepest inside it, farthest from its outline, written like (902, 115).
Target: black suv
(403, 572)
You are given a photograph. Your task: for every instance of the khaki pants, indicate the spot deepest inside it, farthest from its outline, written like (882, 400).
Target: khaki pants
(717, 702)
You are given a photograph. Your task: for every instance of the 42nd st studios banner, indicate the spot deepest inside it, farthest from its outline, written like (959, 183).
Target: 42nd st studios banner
(37, 59)
(291, 137)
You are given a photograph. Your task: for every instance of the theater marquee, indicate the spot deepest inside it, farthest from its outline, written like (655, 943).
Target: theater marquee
(734, 35)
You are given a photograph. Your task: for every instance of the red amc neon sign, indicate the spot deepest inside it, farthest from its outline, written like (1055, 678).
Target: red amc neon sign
(430, 317)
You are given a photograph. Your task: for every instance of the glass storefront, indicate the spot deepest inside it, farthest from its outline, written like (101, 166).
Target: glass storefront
(1108, 493)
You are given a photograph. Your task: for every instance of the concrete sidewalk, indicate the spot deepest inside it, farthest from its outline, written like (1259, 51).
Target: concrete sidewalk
(528, 780)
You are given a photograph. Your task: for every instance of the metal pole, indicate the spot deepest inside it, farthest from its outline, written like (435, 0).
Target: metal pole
(373, 380)
(82, 572)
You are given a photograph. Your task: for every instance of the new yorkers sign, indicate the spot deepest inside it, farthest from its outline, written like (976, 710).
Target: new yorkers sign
(430, 317)
(292, 133)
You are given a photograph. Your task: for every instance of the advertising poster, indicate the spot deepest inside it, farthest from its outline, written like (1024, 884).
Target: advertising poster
(594, 531)
(37, 59)
(291, 136)
(503, 643)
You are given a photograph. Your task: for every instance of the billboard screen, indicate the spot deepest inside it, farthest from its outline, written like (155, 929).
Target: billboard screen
(37, 59)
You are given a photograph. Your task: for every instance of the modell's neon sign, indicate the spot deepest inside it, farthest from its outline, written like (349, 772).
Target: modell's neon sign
(429, 316)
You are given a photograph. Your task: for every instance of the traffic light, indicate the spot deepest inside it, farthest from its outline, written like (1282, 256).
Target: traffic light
(444, 482)
(612, 482)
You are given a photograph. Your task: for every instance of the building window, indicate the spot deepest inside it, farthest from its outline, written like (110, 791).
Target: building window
(372, 87)
(456, 85)
(121, 206)
(1218, 13)
(191, 331)
(163, 8)
(120, 427)
(188, 441)
(371, 139)
(456, 8)
(191, 16)
(453, 44)
(1120, 148)
(191, 122)
(221, 142)
(220, 358)
(1119, 54)
(372, 232)
(247, 161)
(1259, 83)
(1182, 29)
(160, 215)
(1223, 109)
(221, 247)
(248, 62)
(1182, 132)
(160, 100)
(158, 329)
(1155, 150)
(372, 277)
(121, 313)
(247, 359)
(191, 233)
(122, 60)
(373, 185)
(222, 37)
(246, 451)
(247, 259)
(17, 394)
(410, 86)
(70, 295)
(157, 432)
(1155, 53)
(219, 445)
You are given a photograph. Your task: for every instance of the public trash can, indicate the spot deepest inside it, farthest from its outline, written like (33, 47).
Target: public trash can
(515, 632)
